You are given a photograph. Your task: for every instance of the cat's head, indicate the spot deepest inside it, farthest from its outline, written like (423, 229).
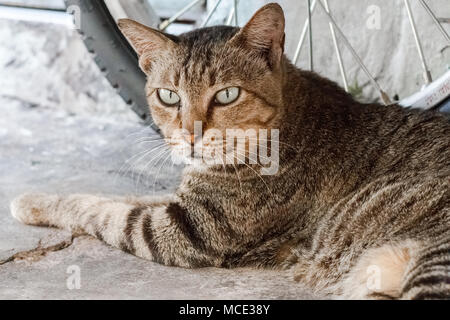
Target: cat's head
(224, 78)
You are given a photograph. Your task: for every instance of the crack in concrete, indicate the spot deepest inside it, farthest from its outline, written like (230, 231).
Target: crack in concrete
(39, 252)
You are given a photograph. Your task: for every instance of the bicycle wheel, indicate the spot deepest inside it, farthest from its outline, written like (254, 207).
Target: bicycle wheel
(113, 54)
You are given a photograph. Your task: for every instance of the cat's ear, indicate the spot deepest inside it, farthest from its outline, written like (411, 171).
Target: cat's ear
(264, 33)
(147, 42)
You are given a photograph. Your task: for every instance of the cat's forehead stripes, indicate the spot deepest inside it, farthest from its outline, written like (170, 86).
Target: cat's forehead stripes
(202, 50)
(208, 59)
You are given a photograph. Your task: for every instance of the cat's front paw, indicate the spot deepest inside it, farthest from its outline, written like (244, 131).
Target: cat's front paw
(33, 208)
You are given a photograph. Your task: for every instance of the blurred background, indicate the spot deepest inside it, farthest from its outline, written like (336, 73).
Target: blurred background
(44, 63)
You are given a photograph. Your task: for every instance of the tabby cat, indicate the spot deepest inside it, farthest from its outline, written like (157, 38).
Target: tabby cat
(362, 190)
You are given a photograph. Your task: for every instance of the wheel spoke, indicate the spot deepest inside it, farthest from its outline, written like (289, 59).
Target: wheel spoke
(426, 72)
(436, 21)
(303, 34)
(384, 97)
(210, 13)
(230, 17)
(235, 5)
(311, 55)
(338, 51)
(163, 26)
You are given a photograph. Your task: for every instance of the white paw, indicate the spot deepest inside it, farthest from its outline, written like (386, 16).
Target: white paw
(17, 208)
(33, 209)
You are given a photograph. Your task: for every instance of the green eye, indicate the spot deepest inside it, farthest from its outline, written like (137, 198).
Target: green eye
(227, 96)
(168, 97)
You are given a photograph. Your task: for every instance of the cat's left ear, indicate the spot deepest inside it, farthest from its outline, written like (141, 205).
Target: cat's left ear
(147, 42)
(264, 33)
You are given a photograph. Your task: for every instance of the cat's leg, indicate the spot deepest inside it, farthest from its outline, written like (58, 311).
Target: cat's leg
(158, 229)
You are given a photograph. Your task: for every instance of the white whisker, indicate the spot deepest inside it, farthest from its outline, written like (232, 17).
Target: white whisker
(156, 177)
(156, 157)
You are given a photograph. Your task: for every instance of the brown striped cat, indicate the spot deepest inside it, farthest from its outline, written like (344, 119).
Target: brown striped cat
(359, 207)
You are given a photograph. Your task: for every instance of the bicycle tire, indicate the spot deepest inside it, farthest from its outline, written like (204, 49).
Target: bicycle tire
(113, 55)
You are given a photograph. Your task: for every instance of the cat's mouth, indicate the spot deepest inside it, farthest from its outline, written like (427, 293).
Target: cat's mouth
(207, 154)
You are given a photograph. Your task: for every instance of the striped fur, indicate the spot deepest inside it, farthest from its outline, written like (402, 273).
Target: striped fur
(359, 209)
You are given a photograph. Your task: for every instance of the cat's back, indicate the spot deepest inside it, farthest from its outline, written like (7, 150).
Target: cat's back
(332, 120)
(413, 140)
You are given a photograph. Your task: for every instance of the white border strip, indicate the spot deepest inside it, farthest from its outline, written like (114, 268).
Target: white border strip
(37, 15)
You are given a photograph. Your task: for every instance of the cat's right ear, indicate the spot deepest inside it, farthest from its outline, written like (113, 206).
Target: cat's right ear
(264, 33)
(147, 42)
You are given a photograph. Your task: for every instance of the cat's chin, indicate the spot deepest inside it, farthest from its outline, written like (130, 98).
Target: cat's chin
(198, 164)
(192, 162)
